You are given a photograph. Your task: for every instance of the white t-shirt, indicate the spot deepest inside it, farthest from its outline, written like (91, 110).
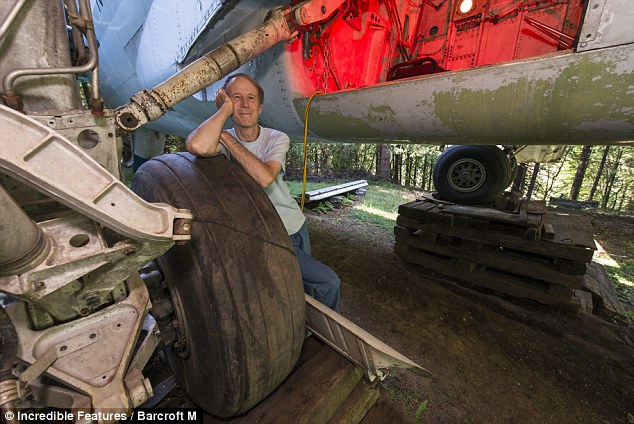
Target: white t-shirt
(273, 145)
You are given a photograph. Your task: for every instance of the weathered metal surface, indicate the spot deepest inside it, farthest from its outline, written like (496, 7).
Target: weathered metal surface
(47, 161)
(567, 98)
(38, 27)
(84, 355)
(23, 243)
(96, 135)
(607, 23)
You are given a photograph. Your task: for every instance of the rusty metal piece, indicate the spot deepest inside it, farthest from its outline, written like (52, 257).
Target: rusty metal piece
(96, 107)
(182, 227)
(127, 120)
(13, 101)
(315, 11)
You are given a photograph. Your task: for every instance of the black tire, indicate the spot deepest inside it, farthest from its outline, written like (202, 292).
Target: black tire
(471, 174)
(236, 286)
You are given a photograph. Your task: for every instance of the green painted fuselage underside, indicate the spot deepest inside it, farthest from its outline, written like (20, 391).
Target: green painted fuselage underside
(565, 98)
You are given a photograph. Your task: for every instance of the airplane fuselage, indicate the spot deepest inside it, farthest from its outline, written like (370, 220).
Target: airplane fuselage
(500, 79)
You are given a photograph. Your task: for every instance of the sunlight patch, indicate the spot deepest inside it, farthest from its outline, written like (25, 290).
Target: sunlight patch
(603, 257)
(374, 211)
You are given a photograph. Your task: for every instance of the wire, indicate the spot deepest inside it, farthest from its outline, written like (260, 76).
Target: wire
(310, 99)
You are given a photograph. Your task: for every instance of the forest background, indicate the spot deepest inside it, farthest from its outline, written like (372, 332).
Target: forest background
(601, 175)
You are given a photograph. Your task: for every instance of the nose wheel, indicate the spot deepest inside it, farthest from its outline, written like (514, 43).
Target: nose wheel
(472, 174)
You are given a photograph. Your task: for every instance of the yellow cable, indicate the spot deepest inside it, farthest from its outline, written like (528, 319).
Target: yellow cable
(310, 99)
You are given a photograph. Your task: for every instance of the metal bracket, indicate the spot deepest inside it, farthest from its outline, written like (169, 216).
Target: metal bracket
(55, 352)
(48, 162)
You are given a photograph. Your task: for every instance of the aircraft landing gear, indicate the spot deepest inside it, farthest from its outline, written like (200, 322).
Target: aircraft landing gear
(472, 174)
(237, 305)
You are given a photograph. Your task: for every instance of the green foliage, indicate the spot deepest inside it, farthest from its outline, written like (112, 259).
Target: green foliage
(413, 400)
(623, 279)
(324, 207)
(419, 411)
(379, 206)
(174, 144)
(614, 188)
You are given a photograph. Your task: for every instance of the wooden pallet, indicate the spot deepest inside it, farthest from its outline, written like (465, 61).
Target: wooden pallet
(324, 387)
(526, 253)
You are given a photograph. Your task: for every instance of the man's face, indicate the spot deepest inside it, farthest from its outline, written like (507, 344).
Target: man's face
(246, 104)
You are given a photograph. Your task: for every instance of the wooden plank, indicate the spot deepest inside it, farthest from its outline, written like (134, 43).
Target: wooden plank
(503, 283)
(357, 405)
(569, 230)
(311, 394)
(541, 247)
(495, 215)
(384, 413)
(421, 207)
(324, 193)
(489, 256)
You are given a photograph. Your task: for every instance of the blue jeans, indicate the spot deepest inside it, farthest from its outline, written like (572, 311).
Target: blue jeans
(320, 281)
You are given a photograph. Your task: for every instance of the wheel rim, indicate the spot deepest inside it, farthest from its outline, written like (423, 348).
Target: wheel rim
(466, 175)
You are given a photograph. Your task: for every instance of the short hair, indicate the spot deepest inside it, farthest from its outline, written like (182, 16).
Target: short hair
(251, 79)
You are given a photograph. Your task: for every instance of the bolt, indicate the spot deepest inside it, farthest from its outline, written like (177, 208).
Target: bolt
(63, 348)
(323, 10)
(182, 226)
(84, 312)
(40, 285)
(93, 335)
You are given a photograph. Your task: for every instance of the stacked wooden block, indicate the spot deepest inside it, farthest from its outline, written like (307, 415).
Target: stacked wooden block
(526, 253)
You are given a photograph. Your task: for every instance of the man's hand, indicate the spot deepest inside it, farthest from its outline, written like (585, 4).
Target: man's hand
(223, 100)
(203, 141)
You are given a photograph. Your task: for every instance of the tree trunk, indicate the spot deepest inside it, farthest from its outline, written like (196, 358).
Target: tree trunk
(531, 185)
(383, 166)
(316, 159)
(519, 183)
(424, 174)
(597, 177)
(612, 177)
(582, 166)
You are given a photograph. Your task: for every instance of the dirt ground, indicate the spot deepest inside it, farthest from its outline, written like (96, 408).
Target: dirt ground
(493, 359)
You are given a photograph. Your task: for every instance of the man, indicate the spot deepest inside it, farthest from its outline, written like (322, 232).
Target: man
(262, 154)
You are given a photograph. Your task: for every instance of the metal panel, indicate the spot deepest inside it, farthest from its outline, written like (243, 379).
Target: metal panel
(607, 23)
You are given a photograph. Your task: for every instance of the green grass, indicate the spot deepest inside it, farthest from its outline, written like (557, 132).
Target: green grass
(622, 275)
(379, 206)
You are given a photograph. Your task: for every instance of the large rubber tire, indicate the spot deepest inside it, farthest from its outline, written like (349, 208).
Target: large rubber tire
(236, 286)
(471, 174)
